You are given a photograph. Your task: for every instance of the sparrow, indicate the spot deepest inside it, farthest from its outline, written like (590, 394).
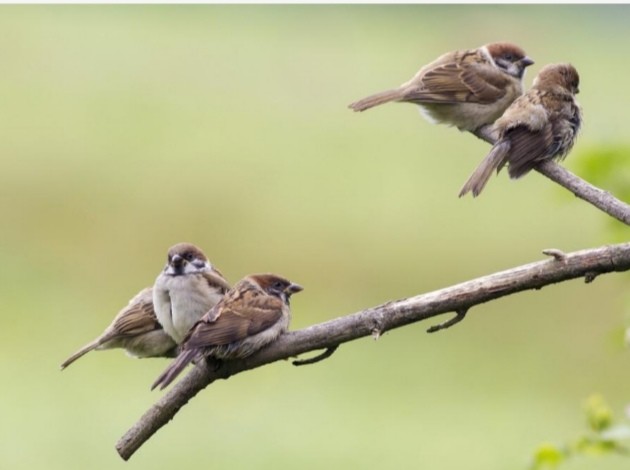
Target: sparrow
(254, 313)
(466, 89)
(540, 125)
(187, 287)
(134, 329)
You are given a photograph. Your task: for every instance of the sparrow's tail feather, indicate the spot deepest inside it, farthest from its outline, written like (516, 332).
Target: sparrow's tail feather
(375, 100)
(494, 161)
(174, 369)
(84, 350)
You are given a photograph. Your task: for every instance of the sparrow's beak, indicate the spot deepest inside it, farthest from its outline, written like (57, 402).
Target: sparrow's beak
(526, 61)
(293, 289)
(177, 261)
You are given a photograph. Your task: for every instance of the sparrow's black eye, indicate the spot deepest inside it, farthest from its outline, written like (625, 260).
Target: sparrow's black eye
(276, 288)
(508, 57)
(189, 256)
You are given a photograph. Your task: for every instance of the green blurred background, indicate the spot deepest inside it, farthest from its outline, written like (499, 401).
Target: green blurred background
(125, 129)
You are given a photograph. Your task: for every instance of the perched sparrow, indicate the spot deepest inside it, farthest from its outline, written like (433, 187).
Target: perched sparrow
(251, 315)
(466, 89)
(186, 289)
(540, 125)
(134, 329)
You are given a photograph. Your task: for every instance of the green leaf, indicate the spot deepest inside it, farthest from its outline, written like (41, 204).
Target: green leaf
(547, 456)
(594, 446)
(598, 413)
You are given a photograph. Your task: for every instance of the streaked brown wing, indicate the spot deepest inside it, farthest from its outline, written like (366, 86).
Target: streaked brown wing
(486, 84)
(138, 317)
(236, 322)
(527, 149)
(453, 83)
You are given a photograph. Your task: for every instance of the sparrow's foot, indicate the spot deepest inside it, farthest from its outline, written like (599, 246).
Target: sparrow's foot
(214, 363)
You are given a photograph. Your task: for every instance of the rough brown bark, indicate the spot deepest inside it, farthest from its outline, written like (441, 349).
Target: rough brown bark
(459, 298)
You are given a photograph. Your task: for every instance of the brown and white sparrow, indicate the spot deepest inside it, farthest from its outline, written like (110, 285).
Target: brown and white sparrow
(467, 89)
(187, 287)
(250, 316)
(540, 125)
(134, 329)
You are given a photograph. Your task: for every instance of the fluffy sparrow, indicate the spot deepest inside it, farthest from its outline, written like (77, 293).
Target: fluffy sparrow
(187, 288)
(134, 329)
(466, 89)
(540, 125)
(251, 315)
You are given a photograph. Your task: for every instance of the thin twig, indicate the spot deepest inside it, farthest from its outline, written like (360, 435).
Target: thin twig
(614, 258)
(599, 198)
(459, 316)
(558, 255)
(320, 357)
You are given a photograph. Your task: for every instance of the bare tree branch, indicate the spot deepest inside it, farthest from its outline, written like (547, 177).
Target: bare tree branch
(601, 199)
(374, 321)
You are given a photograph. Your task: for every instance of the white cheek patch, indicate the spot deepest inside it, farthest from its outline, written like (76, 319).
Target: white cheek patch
(169, 270)
(197, 266)
(200, 264)
(190, 268)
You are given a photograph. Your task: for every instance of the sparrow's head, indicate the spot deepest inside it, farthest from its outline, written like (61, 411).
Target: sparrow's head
(276, 286)
(554, 75)
(509, 58)
(186, 258)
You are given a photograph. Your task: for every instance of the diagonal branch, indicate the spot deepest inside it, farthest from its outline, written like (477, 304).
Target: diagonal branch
(374, 321)
(601, 199)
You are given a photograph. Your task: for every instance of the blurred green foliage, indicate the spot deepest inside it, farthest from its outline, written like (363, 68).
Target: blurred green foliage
(125, 129)
(602, 439)
(606, 166)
